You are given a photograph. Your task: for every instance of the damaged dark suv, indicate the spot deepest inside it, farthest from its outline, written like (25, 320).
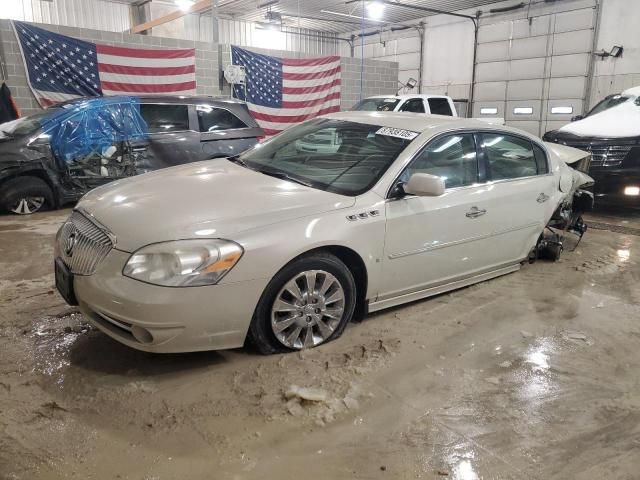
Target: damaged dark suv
(54, 157)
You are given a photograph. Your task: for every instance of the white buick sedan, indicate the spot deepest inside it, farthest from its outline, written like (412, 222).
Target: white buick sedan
(284, 244)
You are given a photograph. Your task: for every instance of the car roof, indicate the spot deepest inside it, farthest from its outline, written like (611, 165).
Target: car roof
(420, 122)
(177, 99)
(408, 95)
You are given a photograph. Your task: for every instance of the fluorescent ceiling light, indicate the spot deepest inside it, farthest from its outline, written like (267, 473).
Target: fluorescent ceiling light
(488, 111)
(340, 14)
(184, 5)
(523, 111)
(562, 110)
(375, 10)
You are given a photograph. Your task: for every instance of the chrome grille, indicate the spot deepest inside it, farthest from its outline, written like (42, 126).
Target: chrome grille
(82, 244)
(604, 155)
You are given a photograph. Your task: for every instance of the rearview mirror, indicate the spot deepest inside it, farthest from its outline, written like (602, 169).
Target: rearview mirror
(424, 185)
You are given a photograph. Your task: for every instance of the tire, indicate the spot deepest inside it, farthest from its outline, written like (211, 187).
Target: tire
(320, 314)
(25, 195)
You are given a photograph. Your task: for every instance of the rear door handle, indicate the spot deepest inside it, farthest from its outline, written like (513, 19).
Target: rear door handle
(543, 197)
(475, 212)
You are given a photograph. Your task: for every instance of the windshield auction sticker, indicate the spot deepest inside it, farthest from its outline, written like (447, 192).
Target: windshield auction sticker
(397, 132)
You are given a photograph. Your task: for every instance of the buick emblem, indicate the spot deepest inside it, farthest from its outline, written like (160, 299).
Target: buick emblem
(69, 244)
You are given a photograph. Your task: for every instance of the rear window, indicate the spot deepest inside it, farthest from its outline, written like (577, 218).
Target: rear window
(377, 105)
(165, 118)
(211, 119)
(440, 106)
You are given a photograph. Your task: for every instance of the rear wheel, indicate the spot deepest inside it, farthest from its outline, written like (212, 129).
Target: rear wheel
(308, 303)
(25, 195)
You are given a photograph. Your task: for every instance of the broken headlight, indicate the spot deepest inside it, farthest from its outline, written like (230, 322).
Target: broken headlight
(183, 263)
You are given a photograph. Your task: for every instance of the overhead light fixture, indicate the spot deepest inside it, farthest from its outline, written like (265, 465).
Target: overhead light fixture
(375, 10)
(488, 111)
(184, 5)
(523, 111)
(615, 52)
(561, 110)
(340, 14)
(410, 85)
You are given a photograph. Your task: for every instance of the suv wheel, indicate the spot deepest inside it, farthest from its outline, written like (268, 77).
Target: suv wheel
(25, 195)
(309, 302)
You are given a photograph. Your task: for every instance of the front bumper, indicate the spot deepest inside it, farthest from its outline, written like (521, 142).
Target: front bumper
(164, 319)
(610, 184)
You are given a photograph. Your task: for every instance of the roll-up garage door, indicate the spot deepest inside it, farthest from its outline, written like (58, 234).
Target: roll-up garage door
(533, 72)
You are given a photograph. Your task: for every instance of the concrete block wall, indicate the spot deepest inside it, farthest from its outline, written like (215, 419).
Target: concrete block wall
(359, 80)
(206, 58)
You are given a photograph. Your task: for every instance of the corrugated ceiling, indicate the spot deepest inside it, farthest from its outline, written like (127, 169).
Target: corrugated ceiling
(309, 13)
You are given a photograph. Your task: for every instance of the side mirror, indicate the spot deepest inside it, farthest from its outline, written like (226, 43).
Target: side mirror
(577, 118)
(425, 185)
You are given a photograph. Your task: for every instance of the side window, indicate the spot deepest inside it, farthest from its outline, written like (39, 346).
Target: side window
(440, 106)
(541, 159)
(508, 156)
(452, 157)
(211, 119)
(415, 105)
(165, 118)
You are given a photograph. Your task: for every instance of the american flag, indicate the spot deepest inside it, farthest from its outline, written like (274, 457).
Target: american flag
(281, 92)
(61, 68)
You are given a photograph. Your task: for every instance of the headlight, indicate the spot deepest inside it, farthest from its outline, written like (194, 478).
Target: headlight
(183, 263)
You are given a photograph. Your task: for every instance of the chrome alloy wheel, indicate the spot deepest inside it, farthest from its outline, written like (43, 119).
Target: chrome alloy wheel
(308, 309)
(27, 205)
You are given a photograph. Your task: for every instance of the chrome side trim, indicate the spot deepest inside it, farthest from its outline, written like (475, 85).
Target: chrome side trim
(429, 248)
(431, 291)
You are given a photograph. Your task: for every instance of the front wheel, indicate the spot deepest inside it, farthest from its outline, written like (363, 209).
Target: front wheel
(25, 195)
(309, 302)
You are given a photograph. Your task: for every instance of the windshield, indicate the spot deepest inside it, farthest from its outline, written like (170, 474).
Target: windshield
(377, 104)
(350, 164)
(25, 125)
(607, 103)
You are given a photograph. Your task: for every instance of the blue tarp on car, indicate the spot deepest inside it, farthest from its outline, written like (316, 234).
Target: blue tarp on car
(80, 129)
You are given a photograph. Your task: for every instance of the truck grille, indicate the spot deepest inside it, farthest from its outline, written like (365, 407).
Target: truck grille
(82, 244)
(603, 155)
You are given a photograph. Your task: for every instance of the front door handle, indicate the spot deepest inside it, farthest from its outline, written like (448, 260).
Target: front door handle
(475, 212)
(543, 197)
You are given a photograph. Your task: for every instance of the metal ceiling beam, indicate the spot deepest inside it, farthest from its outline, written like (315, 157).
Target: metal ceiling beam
(198, 7)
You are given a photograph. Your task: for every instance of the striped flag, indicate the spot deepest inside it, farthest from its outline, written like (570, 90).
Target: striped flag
(281, 92)
(62, 68)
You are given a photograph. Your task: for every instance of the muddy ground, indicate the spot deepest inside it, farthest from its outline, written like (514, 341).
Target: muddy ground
(532, 375)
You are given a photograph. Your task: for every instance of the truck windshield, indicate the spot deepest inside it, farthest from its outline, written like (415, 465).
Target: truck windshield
(607, 103)
(354, 159)
(25, 125)
(377, 104)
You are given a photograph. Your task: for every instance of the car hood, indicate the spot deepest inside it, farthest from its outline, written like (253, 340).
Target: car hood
(620, 121)
(212, 199)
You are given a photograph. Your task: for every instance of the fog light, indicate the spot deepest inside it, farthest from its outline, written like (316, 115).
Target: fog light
(141, 334)
(632, 191)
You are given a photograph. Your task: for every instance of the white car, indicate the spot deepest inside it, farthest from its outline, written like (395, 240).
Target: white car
(412, 103)
(283, 246)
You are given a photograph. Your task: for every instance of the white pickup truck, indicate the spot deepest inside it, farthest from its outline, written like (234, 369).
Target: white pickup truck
(428, 104)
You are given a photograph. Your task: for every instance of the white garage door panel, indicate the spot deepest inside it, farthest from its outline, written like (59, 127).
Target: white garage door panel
(525, 89)
(535, 105)
(529, 47)
(477, 110)
(569, 87)
(407, 45)
(492, 72)
(572, 42)
(494, 32)
(528, 126)
(576, 104)
(493, 52)
(490, 91)
(529, 68)
(570, 65)
(576, 20)
(538, 26)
